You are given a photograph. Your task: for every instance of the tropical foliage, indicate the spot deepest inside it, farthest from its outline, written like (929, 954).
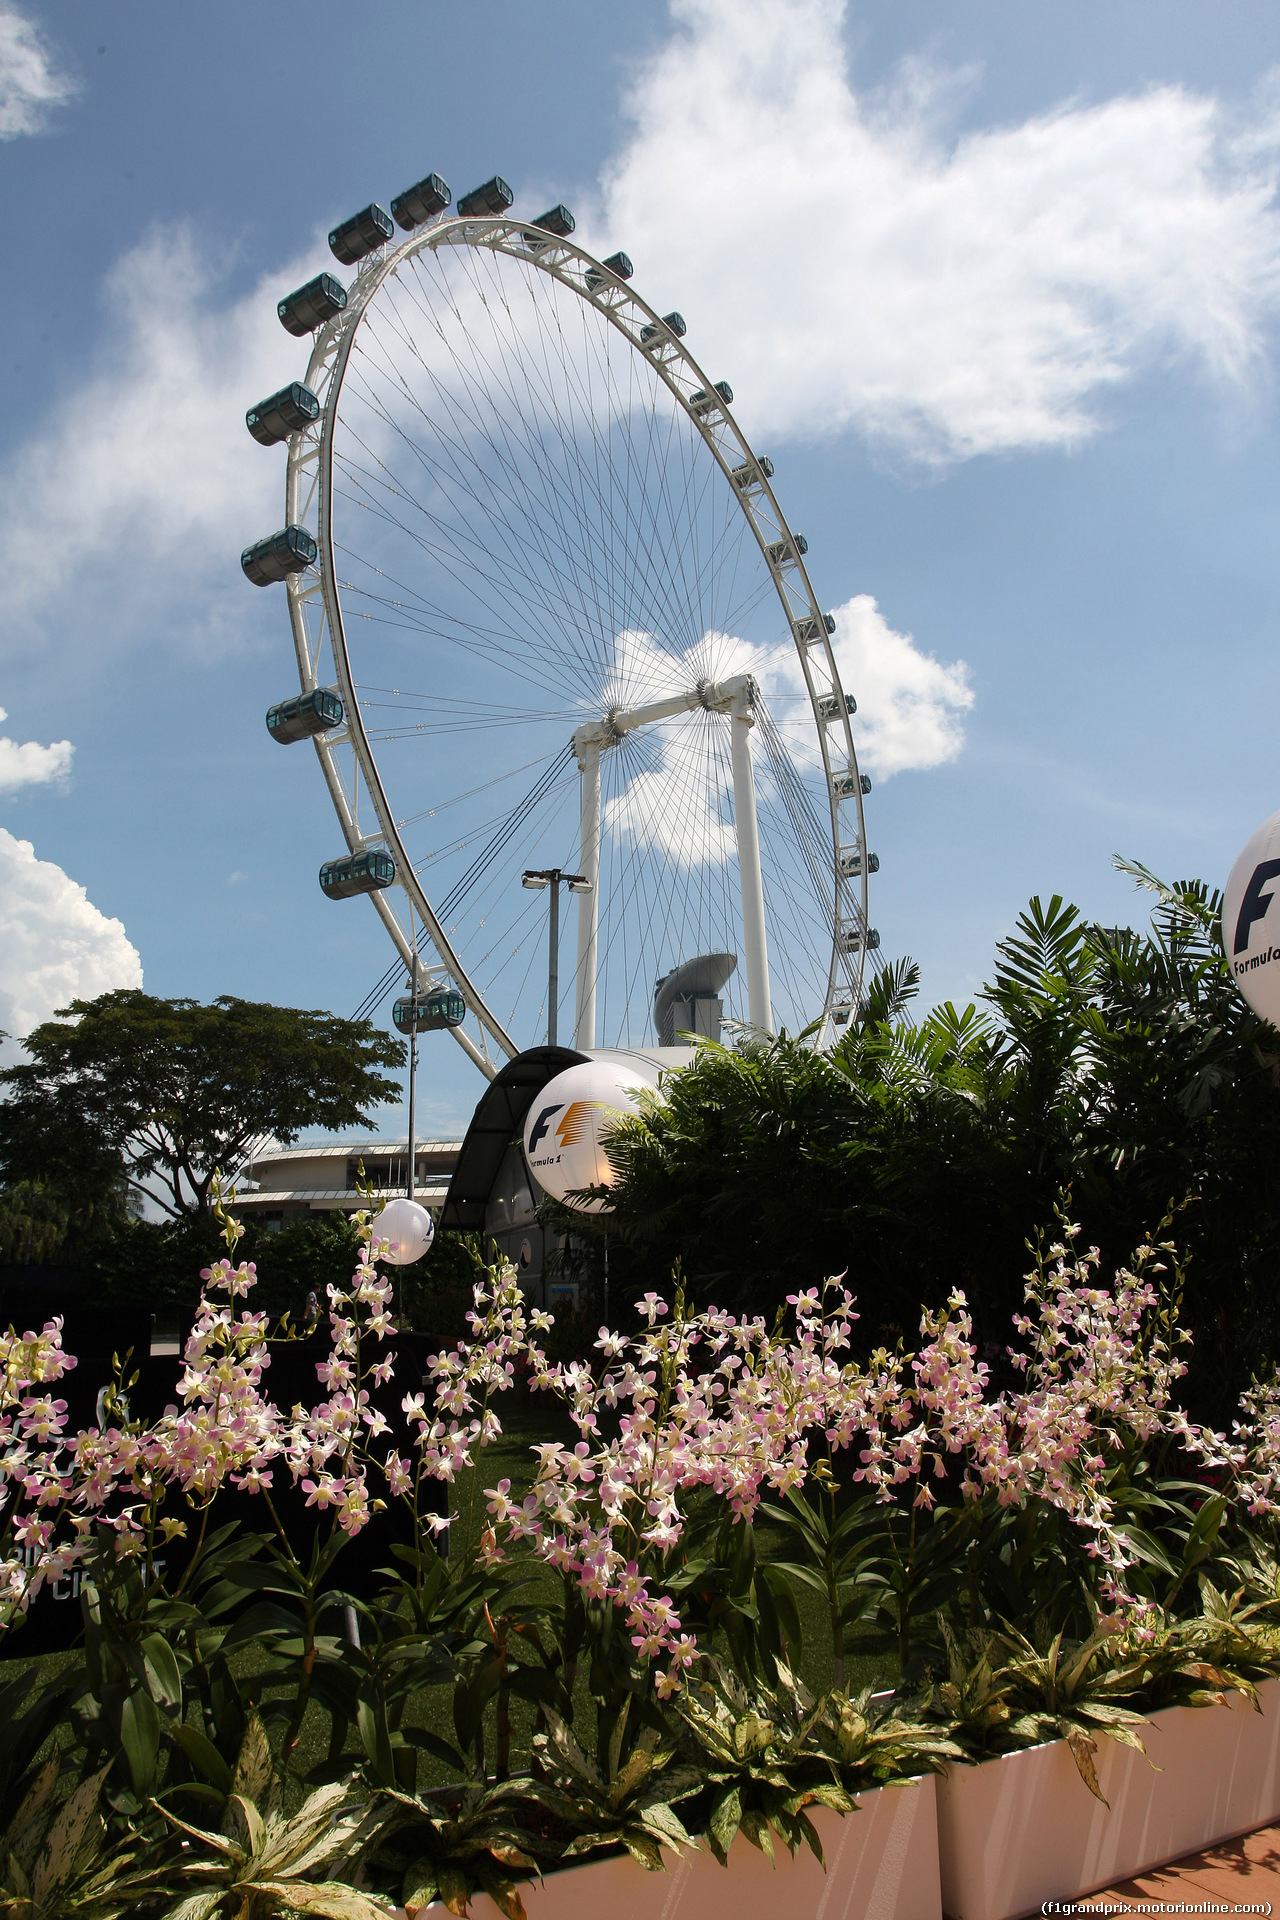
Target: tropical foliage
(919, 1152)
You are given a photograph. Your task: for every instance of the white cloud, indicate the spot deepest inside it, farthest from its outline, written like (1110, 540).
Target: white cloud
(910, 706)
(30, 83)
(150, 462)
(55, 945)
(848, 265)
(911, 711)
(28, 764)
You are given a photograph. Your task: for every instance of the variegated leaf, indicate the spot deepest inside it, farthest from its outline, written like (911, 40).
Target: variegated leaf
(73, 1828)
(328, 1898)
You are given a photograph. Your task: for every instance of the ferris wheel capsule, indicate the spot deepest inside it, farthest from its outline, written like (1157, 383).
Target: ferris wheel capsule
(353, 873)
(305, 715)
(421, 202)
(494, 197)
(286, 412)
(361, 234)
(312, 306)
(268, 562)
(439, 1008)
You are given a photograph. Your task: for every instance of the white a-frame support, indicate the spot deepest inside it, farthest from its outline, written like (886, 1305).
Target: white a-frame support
(736, 697)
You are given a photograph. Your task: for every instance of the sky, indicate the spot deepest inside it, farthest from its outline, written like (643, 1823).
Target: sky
(997, 289)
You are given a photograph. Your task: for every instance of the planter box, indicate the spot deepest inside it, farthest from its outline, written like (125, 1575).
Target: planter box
(882, 1864)
(1022, 1829)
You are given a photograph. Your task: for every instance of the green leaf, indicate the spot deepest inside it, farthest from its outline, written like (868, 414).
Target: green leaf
(197, 1906)
(162, 1670)
(251, 1820)
(439, 1749)
(376, 1741)
(726, 1816)
(667, 1824)
(254, 1767)
(420, 1885)
(203, 1755)
(27, 1825)
(329, 1898)
(454, 1890)
(71, 1834)
(755, 1828)
(140, 1738)
(644, 1848)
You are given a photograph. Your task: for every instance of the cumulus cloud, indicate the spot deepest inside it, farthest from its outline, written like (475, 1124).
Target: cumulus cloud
(30, 83)
(149, 460)
(29, 765)
(911, 710)
(55, 945)
(849, 264)
(910, 706)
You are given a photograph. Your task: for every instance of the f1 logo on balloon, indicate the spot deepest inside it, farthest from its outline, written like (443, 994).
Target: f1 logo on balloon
(541, 1124)
(569, 1155)
(1253, 948)
(1255, 903)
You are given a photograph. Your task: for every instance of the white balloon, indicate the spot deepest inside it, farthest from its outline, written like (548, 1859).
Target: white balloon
(1251, 921)
(409, 1228)
(563, 1127)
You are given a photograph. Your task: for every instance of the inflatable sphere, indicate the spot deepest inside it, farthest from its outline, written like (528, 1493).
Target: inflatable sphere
(1251, 921)
(409, 1228)
(563, 1128)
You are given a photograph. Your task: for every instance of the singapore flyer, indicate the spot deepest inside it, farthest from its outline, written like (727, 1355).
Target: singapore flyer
(549, 619)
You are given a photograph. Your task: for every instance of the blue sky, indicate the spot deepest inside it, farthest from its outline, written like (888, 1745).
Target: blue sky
(996, 287)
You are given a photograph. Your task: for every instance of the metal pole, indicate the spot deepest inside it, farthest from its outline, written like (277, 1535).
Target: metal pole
(744, 813)
(587, 748)
(553, 961)
(413, 1069)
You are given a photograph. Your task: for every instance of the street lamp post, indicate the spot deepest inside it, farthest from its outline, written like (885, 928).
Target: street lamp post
(537, 878)
(413, 1070)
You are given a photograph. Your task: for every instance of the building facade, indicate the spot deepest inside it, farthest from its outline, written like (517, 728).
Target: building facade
(284, 1184)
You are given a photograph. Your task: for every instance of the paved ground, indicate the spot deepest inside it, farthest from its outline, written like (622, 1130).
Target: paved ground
(1242, 1876)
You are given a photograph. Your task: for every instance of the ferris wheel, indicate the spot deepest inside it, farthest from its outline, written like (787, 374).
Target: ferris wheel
(549, 618)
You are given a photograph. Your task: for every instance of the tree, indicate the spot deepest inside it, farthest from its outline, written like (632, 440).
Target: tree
(921, 1154)
(171, 1091)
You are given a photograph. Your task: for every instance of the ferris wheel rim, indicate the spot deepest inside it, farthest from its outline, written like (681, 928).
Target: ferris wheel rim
(309, 491)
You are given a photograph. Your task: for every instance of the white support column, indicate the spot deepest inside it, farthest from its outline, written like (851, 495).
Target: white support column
(587, 744)
(744, 813)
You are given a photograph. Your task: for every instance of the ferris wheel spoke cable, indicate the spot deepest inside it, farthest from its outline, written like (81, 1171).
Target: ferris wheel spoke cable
(537, 792)
(433, 702)
(659, 907)
(573, 441)
(452, 901)
(457, 799)
(520, 636)
(566, 495)
(451, 848)
(515, 639)
(793, 800)
(512, 470)
(427, 729)
(735, 555)
(476, 563)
